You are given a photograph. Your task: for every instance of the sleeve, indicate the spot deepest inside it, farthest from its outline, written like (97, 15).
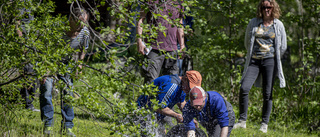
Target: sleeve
(220, 111)
(188, 115)
(158, 81)
(183, 96)
(283, 46)
(86, 38)
(167, 94)
(248, 35)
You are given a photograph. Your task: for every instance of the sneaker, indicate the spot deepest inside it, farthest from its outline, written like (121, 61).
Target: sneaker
(69, 133)
(47, 131)
(240, 124)
(33, 109)
(264, 127)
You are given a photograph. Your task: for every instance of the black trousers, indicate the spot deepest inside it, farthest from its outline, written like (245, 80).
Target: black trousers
(266, 67)
(214, 129)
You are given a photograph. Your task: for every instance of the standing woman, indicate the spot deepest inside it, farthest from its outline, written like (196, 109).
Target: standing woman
(265, 41)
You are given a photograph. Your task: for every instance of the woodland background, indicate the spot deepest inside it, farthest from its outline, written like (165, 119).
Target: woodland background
(110, 82)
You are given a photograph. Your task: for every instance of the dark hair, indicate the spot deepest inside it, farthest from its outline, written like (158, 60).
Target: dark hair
(276, 12)
(77, 12)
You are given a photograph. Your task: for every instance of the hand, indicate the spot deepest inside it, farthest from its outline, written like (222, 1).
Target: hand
(182, 47)
(182, 54)
(79, 72)
(43, 80)
(141, 47)
(179, 118)
(19, 33)
(196, 123)
(191, 133)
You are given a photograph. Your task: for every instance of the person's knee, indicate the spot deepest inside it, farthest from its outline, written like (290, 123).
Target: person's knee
(244, 89)
(267, 98)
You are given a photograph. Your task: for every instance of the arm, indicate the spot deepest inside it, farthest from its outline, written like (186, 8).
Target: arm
(188, 115)
(168, 112)
(83, 49)
(181, 36)
(248, 36)
(224, 132)
(181, 105)
(141, 47)
(220, 110)
(283, 46)
(81, 54)
(18, 29)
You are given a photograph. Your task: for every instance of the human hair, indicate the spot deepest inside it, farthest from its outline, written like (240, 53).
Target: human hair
(76, 13)
(276, 12)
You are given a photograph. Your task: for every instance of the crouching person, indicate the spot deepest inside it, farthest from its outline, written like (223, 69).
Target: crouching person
(212, 111)
(172, 90)
(169, 94)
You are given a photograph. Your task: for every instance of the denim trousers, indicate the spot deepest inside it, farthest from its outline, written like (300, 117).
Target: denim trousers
(266, 67)
(28, 90)
(46, 105)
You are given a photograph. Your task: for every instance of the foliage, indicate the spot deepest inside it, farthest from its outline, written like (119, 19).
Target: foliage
(217, 47)
(108, 89)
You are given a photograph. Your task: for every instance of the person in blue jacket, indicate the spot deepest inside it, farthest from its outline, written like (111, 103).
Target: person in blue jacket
(212, 112)
(171, 92)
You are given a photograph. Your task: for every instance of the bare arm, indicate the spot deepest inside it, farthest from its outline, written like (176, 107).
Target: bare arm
(181, 105)
(168, 112)
(81, 56)
(224, 132)
(141, 48)
(18, 29)
(181, 36)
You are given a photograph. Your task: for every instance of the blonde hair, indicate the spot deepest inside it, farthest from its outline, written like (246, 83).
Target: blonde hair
(276, 11)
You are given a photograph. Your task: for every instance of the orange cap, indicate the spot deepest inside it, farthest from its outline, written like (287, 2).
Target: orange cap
(194, 78)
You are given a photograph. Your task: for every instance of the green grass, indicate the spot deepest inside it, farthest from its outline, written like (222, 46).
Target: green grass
(253, 131)
(28, 124)
(25, 123)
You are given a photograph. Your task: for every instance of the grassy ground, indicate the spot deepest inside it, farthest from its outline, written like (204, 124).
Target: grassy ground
(253, 131)
(28, 124)
(24, 123)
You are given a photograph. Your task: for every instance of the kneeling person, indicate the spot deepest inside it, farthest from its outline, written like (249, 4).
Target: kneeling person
(212, 111)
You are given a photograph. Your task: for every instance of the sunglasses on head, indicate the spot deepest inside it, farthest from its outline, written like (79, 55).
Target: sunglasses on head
(264, 7)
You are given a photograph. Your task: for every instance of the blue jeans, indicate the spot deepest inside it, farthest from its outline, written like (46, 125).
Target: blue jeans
(29, 89)
(46, 105)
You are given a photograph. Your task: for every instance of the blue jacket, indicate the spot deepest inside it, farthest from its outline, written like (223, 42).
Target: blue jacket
(217, 107)
(169, 94)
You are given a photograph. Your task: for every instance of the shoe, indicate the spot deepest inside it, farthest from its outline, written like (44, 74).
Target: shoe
(47, 131)
(240, 124)
(69, 133)
(264, 127)
(33, 109)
